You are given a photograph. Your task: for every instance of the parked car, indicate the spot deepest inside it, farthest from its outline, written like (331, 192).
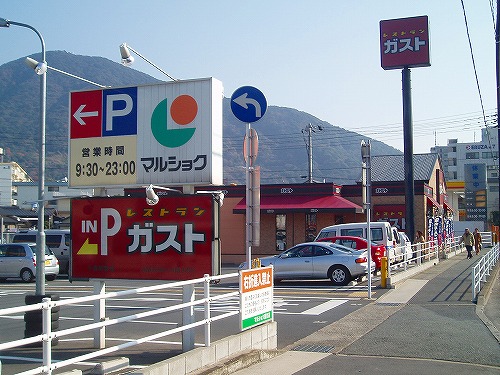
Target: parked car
(58, 240)
(405, 244)
(318, 260)
(358, 243)
(381, 233)
(19, 260)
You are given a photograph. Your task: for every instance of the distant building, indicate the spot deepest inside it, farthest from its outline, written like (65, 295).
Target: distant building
(433, 210)
(9, 174)
(476, 164)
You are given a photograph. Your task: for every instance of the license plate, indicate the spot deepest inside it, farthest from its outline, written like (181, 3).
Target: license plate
(47, 262)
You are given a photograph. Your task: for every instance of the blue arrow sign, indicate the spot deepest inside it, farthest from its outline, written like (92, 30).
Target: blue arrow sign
(248, 104)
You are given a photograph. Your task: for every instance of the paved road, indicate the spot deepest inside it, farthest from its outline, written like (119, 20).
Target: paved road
(427, 325)
(298, 307)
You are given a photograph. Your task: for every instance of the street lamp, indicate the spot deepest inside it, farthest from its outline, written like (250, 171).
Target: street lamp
(152, 198)
(37, 66)
(40, 240)
(128, 59)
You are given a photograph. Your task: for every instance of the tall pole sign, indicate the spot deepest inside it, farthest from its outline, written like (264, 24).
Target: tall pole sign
(249, 104)
(404, 43)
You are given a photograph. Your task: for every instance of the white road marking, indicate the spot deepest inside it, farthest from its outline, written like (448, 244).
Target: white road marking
(328, 305)
(403, 293)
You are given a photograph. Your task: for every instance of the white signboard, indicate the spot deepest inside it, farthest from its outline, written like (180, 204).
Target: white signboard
(256, 296)
(165, 134)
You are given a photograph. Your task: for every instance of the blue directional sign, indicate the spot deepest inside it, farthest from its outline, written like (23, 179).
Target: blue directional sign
(248, 104)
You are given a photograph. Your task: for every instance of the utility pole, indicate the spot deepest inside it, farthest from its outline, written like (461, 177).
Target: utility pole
(310, 128)
(497, 49)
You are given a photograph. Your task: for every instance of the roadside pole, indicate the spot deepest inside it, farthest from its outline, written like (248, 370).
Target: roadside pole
(367, 202)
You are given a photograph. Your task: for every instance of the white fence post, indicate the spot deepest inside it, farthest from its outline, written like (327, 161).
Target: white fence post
(206, 295)
(188, 317)
(99, 315)
(47, 329)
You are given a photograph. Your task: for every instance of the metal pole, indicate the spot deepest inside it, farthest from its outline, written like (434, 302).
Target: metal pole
(309, 128)
(497, 49)
(367, 200)
(248, 211)
(408, 154)
(40, 240)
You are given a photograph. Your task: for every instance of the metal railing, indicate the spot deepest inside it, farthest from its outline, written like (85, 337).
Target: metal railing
(47, 335)
(482, 269)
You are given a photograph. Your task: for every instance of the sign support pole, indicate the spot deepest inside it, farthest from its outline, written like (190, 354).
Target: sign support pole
(367, 201)
(408, 154)
(100, 304)
(188, 295)
(248, 211)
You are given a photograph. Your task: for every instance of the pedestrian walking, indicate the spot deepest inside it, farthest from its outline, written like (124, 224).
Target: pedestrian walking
(420, 240)
(478, 241)
(468, 240)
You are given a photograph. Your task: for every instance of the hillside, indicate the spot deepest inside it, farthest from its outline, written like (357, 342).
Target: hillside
(282, 154)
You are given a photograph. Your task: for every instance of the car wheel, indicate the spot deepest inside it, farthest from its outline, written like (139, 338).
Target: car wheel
(26, 275)
(339, 275)
(50, 277)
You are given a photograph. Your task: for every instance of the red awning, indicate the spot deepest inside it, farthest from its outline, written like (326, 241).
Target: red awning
(433, 201)
(448, 206)
(302, 203)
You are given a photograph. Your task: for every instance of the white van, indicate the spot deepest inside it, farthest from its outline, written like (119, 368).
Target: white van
(381, 233)
(58, 240)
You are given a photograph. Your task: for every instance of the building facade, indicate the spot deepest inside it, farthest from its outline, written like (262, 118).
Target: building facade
(472, 171)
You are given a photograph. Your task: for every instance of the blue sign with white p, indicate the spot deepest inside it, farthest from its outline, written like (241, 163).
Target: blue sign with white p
(248, 104)
(119, 112)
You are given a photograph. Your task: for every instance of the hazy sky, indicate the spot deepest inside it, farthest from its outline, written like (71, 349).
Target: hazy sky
(321, 57)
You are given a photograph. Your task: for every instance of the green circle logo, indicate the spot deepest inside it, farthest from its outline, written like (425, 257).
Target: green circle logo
(183, 111)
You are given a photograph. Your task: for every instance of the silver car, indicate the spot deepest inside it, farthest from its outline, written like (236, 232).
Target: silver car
(19, 260)
(319, 260)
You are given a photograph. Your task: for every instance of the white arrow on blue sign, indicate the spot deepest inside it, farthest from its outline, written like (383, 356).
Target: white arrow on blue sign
(248, 104)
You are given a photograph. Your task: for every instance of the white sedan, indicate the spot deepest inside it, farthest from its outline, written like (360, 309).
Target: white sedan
(318, 260)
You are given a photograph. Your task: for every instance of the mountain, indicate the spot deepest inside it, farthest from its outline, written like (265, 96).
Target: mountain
(283, 155)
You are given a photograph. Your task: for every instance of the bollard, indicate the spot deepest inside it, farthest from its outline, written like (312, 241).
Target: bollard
(383, 272)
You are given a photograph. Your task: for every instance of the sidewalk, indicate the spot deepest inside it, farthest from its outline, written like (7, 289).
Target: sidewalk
(426, 325)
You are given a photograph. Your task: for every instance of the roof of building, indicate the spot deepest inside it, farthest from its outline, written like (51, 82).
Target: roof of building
(391, 167)
(15, 211)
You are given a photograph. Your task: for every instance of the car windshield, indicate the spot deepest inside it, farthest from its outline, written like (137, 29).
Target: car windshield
(339, 247)
(47, 250)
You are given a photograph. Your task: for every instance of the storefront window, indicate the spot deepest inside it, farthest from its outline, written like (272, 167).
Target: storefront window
(311, 227)
(280, 232)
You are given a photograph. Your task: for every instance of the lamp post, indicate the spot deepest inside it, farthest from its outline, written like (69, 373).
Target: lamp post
(40, 240)
(128, 59)
(32, 63)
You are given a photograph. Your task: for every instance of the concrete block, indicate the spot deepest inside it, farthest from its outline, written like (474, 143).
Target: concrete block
(194, 361)
(110, 366)
(246, 340)
(257, 337)
(177, 366)
(72, 372)
(208, 356)
(234, 344)
(221, 350)
(272, 343)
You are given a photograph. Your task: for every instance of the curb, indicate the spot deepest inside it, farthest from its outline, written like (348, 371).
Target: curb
(239, 362)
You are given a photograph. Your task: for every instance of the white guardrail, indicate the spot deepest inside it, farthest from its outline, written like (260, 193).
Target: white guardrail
(48, 335)
(427, 251)
(482, 269)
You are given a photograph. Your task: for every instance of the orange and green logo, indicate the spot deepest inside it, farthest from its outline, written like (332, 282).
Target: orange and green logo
(183, 111)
